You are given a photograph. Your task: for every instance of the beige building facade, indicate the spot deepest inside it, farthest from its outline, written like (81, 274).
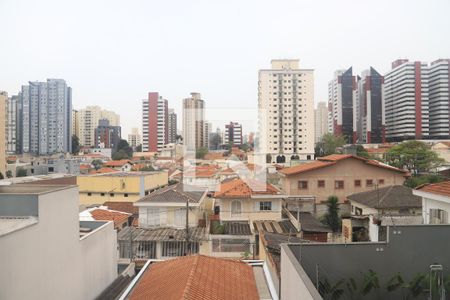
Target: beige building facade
(286, 111)
(3, 99)
(87, 121)
(195, 133)
(338, 175)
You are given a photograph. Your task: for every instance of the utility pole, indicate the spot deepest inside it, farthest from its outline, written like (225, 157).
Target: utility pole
(131, 243)
(188, 250)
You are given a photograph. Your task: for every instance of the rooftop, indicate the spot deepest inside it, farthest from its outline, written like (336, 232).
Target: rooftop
(177, 193)
(160, 234)
(23, 189)
(241, 189)
(395, 196)
(333, 159)
(441, 188)
(310, 223)
(125, 174)
(197, 277)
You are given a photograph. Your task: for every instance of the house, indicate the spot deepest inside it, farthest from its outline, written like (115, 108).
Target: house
(46, 252)
(126, 207)
(248, 200)
(102, 213)
(202, 278)
(315, 270)
(102, 170)
(435, 202)
(202, 176)
(231, 239)
(119, 186)
(443, 150)
(372, 211)
(339, 175)
(166, 207)
(124, 165)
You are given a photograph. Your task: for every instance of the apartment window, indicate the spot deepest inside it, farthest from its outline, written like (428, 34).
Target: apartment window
(125, 195)
(357, 183)
(321, 183)
(369, 182)
(102, 194)
(89, 194)
(111, 194)
(265, 205)
(339, 184)
(380, 181)
(302, 185)
(235, 208)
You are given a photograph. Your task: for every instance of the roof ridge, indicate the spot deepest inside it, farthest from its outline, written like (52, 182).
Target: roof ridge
(388, 190)
(190, 277)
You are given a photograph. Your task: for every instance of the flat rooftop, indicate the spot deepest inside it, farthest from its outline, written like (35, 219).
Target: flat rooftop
(24, 189)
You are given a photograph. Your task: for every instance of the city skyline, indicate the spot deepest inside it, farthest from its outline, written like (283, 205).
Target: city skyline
(207, 57)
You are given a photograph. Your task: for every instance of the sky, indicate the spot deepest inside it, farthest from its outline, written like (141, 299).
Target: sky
(112, 53)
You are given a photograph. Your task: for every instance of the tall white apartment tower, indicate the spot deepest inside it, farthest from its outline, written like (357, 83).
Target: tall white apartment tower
(439, 93)
(11, 124)
(195, 129)
(321, 120)
(87, 120)
(405, 97)
(286, 112)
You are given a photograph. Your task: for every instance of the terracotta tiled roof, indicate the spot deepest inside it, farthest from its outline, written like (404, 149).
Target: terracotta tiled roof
(333, 159)
(110, 215)
(197, 277)
(102, 171)
(201, 171)
(85, 167)
(122, 206)
(117, 163)
(213, 156)
(239, 188)
(441, 188)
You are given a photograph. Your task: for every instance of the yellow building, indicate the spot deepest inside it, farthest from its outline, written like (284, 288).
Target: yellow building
(119, 186)
(3, 99)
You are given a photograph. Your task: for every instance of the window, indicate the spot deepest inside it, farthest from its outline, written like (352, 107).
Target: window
(357, 183)
(125, 195)
(235, 208)
(265, 205)
(321, 183)
(438, 216)
(102, 194)
(111, 194)
(380, 181)
(303, 185)
(339, 184)
(369, 182)
(89, 194)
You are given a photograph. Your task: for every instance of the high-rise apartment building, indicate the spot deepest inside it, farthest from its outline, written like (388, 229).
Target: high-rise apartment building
(194, 126)
(106, 135)
(320, 121)
(233, 134)
(439, 96)
(87, 121)
(172, 126)
(155, 117)
(75, 126)
(342, 104)
(45, 112)
(134, 138)
(369, 108)
(11, 124)
(3, 100)
(406, 101)
(286, 111)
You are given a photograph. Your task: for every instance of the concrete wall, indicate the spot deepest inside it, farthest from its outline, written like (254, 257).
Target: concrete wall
(410, 250)
(347, 170)
(49, 261)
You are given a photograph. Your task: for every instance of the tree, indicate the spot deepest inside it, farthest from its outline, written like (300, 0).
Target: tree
(201, 152)
(125, 147)
(21, 172)
(97, 163)
(1, 176)
(415, 156)
(139, 148)
(331, 218)
(329, 291)
(244, 147)
(75, 144)
(361, 151)
(121, 154)
(215, 141)
(9, 174)
(329, 144)
(415, 181)
(147, 169)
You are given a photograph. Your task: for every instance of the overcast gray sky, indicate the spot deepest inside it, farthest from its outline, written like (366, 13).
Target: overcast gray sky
(113, 52)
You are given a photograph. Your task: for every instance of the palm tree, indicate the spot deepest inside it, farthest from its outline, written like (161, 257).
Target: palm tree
(332, 292)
